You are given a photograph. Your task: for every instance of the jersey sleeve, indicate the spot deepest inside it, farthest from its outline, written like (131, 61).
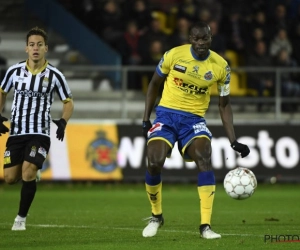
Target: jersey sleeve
(224, 83)
(62, 88)
(7, 82)
(164, 66)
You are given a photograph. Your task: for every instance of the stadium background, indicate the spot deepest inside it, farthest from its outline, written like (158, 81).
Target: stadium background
(103, 140)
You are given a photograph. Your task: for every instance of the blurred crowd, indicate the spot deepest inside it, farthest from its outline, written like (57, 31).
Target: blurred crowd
(259, 32)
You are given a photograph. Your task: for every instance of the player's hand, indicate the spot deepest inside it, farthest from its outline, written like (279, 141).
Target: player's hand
(3, 128)
(146, 126)
(241, 148)
(61, 126)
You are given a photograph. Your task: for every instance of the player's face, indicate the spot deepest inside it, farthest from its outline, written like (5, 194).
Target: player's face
(201, 40)
(36, 48)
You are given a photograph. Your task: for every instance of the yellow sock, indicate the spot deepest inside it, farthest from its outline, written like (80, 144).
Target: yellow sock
(206, 195)
(154, 196)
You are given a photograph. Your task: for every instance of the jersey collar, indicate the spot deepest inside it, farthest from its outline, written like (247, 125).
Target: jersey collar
(196, 57)
(35, 72)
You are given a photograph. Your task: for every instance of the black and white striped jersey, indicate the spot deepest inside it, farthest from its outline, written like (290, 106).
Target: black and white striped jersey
(33, 96)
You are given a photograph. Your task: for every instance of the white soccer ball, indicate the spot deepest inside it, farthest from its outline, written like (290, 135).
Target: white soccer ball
(240, 183)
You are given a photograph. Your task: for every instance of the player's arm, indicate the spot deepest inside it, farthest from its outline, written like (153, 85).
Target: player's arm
(227, 120)
(159, 76)
(2, 100)
(227, 117)
(61, 124)
(3, 128)
(226, 112)
(157, 79)
(152, 93)
(68, 108)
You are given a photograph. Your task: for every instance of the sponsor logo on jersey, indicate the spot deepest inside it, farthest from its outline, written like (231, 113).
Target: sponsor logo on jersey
(190, 88)
(195, 72)
(30, 93)
(184, 61)
(179, 68)
(195, 69)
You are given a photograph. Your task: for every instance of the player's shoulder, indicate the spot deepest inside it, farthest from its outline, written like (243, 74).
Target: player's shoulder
(218, 60)
(17, 65)
(53, 68)
(180, 49)
(178, 52)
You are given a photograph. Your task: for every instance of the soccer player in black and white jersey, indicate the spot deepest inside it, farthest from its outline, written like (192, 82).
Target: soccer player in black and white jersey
(34, 82)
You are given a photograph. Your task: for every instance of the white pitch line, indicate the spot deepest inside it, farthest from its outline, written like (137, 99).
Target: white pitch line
(127, 228)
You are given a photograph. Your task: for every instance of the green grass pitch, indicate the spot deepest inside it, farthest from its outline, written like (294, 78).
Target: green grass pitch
(109, 216)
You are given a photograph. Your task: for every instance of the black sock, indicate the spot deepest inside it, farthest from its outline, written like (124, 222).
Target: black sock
(203, 226)
(27, 195)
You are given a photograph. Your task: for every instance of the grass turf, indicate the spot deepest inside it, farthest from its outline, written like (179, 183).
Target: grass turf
(109, 216)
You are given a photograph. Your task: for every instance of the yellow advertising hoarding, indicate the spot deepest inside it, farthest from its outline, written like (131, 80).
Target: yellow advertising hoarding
(88, 152)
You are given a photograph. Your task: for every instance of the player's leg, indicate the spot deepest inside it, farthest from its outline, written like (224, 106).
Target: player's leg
(200, 152)
(35, 154)
(28, 191)
(157, 151)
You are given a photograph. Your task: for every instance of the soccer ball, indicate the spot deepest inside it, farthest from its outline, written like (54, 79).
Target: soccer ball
(240, 183)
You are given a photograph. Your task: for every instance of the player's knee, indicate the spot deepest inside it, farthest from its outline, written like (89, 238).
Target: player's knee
(29, 176)
(10, 179)
(204, 164)
(155, 166)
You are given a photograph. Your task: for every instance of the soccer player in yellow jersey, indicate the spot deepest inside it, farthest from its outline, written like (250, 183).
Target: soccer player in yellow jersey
(187, 72)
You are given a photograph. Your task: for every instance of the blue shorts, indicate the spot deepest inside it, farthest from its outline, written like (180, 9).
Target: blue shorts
(174, 125)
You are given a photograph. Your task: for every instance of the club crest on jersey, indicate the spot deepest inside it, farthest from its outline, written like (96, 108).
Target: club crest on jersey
(33, 151)
(102, 153)
(208, 75)
(195, 69)
(45, 82)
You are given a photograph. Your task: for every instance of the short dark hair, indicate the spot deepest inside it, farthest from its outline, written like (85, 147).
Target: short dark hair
(199, 25)
(39, 32)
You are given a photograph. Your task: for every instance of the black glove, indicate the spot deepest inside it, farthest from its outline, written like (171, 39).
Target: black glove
(61, 126)
(146, 126)
(3, 128)
(241, 148)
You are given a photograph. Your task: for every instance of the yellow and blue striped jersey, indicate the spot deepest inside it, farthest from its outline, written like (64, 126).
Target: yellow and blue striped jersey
(189, 79)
